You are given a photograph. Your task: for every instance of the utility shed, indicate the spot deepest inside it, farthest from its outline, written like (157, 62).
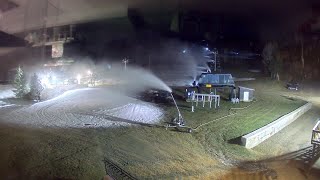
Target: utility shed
(245, 94)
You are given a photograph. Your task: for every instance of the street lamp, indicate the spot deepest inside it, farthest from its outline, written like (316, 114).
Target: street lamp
(125, 61)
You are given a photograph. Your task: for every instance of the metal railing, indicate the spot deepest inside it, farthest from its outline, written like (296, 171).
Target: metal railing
(196, 97)
(315, 138)
(115, 171)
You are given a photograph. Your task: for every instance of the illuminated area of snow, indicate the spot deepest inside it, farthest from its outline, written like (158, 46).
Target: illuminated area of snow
(75, 106)
(139, 112)
(86, 108)
(6, 91)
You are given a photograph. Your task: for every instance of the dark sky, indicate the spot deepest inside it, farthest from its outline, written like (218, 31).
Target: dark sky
(269, 15)
(281, 7)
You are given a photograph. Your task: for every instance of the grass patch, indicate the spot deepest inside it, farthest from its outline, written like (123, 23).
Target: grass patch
(221, 136)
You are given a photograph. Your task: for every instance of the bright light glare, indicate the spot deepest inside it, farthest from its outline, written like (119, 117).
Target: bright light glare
(79, 78)
(89, 73)
(45, 82)
(207, 49)
(184, 51)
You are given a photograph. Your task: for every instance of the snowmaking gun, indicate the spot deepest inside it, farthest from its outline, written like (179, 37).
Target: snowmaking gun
(178, 122)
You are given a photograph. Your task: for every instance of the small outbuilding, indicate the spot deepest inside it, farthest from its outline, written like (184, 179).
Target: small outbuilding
(245, 94)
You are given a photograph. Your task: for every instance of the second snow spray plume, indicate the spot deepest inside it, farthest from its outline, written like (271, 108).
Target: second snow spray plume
(139, 79)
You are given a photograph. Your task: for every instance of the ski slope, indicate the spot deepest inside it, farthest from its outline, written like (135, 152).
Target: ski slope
(90, 107)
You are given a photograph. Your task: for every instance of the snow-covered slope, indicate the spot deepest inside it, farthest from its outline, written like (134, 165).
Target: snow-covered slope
(87, 107)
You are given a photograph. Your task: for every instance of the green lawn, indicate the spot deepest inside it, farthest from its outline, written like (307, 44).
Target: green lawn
(144, 152)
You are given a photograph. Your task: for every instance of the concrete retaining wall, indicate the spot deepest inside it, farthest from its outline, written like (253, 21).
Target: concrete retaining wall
(256, 137)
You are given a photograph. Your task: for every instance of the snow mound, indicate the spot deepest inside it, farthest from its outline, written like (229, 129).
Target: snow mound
(138, 112)
(6, 91)
(86, 108)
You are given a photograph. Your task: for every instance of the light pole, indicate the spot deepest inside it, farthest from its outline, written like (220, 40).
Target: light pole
(215, 60)
(125, 61)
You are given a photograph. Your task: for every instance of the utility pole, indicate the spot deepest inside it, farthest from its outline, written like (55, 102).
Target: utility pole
(215, 61)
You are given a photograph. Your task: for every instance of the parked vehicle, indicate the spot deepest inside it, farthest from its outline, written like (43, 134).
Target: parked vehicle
(292, 86)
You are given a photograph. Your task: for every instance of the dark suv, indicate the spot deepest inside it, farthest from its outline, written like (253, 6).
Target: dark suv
(293, 86)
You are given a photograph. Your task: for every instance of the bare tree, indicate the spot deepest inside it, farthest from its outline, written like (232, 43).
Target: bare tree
(272, 60)
(302, 53)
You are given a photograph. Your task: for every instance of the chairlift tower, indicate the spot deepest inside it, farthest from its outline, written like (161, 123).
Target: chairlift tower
(216, 60)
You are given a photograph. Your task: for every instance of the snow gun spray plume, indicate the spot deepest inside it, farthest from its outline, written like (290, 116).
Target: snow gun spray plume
(136, 79)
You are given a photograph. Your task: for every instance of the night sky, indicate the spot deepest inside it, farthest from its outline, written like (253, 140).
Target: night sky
(230, 22)
(250, 20)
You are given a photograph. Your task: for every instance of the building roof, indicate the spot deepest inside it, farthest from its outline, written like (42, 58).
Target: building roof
(216, 79)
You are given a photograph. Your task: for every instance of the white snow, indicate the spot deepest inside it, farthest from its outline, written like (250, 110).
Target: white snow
(6, 91)
(86, 108)
(4, 104)
(138, 112)
(97, 107)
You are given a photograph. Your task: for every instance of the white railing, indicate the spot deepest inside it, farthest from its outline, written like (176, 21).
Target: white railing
(206, 98)
(315, 138)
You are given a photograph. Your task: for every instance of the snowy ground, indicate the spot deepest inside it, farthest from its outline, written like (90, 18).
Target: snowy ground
(91, 107)
(5, 104)
(6, 91)
(86, 108)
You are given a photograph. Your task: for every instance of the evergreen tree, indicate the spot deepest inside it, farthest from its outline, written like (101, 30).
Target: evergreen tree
(20, 83)
(35, 87)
